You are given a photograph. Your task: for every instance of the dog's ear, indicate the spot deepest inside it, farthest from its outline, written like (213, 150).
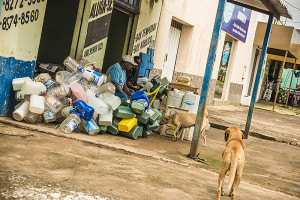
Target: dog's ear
(226, 134)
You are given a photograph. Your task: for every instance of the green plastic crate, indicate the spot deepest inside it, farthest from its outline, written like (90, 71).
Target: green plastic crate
(125, 102)
(103, 129)
(137, 107)
(143, 118)
(155, 87)
(124, 112)
(145, 132)
(154, 113)
(113, 129)
(152, 126)
(134, 133)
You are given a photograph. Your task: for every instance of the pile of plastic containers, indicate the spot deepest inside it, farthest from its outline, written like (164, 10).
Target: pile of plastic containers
(80, 100)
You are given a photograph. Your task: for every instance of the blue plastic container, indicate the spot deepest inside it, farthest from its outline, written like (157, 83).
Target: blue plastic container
(86, 111)
(141, 95)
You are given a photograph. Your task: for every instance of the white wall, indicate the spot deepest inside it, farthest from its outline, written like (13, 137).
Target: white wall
(198, 17)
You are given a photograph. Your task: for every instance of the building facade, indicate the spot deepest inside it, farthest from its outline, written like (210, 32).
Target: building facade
(183, 41)
(42, 31)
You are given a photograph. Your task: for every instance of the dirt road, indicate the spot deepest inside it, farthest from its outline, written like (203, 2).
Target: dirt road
(35, 165)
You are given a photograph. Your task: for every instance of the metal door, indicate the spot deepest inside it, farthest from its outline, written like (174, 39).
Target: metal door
(171, 50)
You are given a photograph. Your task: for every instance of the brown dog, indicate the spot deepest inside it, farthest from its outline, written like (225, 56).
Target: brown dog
(185, 120)
(233, 159)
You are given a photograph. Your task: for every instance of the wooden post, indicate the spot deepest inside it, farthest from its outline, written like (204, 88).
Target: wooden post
(291, 82)
(279, 82)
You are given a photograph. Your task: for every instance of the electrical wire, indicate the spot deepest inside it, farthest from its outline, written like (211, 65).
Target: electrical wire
(291, 5)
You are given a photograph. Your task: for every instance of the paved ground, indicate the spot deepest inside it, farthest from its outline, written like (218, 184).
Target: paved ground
(282, 125)
(105, 166)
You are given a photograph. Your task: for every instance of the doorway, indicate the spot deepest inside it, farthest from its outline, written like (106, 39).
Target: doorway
(58, 29)
(222, 85)
(117, 38)
(171, 50)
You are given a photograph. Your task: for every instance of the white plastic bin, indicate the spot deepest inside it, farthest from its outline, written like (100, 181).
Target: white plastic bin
(18, 82)
(37, 104)
(175, 98)
(190, 102)
(106, 118)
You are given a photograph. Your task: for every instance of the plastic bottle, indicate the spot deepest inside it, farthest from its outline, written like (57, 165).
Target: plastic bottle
(79, 92)
(61, 76)
(30, 87)
(21, 112)
(91, 127)
(51, 84)
(71, 63)
(53, 103)
(99, 106)
(49, 115)
(73, 77)
(94, 77)
(107, 88)
(71, 122)
(37, 104)
(43, 77)
(60, 91)
(86, 111)
(65, 112)
(18, 82)
(31, 117)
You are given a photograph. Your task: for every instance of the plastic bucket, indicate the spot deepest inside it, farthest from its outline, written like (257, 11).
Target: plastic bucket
(175, 99)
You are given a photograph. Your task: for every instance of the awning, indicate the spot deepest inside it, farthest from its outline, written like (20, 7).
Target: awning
(265, 6)
(282, 39)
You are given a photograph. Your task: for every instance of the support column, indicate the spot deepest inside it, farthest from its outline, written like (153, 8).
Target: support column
(207, 77)
(279, 82)
(259, 69)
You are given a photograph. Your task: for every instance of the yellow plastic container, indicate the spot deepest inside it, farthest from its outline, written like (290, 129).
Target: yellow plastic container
(126, 125)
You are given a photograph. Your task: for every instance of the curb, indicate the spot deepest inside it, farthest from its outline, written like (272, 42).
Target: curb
(258, 135)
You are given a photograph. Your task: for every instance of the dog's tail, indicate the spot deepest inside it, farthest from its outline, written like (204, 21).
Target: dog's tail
(233, 167)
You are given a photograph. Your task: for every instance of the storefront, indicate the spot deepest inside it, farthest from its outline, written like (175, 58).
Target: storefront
(100, 31)
(279, 83)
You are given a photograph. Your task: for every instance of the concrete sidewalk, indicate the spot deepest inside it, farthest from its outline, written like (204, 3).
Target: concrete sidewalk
(283, 125)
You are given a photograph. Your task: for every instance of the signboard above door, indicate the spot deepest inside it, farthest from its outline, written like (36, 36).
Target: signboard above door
(236, 21)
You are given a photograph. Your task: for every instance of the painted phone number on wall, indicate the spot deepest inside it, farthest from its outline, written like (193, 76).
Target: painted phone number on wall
(24, 18)
(14, 4)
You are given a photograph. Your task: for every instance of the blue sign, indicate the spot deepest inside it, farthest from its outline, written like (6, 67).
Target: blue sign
(236, 21)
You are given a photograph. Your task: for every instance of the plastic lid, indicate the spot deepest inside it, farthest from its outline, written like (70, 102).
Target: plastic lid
(71, 111)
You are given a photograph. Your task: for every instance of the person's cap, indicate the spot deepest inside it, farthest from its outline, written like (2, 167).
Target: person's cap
(137, 59)
(128, 58)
